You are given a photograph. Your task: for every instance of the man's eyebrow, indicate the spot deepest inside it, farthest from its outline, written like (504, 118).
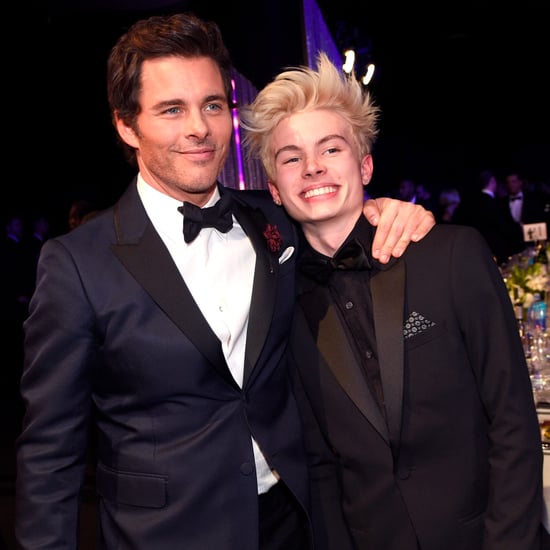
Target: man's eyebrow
(286, 148)
(178, 101)
(294, 148)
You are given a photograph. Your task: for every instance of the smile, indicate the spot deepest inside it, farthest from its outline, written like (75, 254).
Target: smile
(319, 191)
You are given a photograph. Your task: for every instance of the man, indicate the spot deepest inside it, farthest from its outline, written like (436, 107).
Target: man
(415, 395)
(524, 205)
(482, 210)
(173, 345)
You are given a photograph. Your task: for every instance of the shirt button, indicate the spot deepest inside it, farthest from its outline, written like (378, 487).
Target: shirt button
(368, 353)
(349, 305)
(247, 468)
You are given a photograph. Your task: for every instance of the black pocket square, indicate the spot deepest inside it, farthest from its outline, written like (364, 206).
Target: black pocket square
(416, 324)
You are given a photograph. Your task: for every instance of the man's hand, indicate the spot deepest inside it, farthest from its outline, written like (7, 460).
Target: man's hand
(397, 224)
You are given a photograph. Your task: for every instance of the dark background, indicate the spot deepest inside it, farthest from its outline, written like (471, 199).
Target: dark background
(461, 87)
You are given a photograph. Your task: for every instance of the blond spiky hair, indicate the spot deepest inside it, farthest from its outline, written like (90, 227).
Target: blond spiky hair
(302, 89)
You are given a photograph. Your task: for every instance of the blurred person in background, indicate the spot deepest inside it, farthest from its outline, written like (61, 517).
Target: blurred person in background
(449, 200)
(524, 205)
(79, 211)
(480, 208)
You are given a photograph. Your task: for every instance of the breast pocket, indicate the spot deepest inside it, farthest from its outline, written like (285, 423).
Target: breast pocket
(424, 335)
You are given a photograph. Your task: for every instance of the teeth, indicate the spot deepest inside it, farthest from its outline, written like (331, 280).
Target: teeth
(319, 191)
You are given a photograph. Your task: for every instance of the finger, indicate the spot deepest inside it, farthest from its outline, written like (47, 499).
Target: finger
(372, 209)
(424, 227)
(390, 228)
(416, 227)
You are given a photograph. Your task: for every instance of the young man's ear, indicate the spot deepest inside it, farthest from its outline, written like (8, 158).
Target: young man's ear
(275, 193)
(366, 169)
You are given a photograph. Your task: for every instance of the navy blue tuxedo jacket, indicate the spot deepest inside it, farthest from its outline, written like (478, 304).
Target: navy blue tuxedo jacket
(114, 334)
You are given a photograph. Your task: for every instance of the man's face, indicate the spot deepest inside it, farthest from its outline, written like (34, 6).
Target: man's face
(184, 129)
(514, 184)
(319, 175)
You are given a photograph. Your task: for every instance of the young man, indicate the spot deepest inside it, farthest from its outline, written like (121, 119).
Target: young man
(415, 395)
(173, 345)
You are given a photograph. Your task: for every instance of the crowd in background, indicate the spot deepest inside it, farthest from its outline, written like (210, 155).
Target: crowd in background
(498, 205)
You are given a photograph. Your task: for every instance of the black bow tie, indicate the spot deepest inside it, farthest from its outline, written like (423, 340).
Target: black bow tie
(218, 216)
(516, 198)
(350, 257)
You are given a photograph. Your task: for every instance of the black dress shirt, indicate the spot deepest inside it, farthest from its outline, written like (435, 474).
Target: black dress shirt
(349, 292)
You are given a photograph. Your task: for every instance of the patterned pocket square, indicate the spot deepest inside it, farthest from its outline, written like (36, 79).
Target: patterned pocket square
(416, 324)
(287, 253)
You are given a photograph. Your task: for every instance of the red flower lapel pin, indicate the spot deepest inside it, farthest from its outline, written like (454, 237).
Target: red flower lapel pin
(273, 237)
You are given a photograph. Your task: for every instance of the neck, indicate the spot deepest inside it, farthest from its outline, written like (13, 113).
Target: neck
(328, 236)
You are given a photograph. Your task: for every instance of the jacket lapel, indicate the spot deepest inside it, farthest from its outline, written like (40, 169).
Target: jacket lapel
(141, 250)
(388, 295)
(254, 223)
(338, 355)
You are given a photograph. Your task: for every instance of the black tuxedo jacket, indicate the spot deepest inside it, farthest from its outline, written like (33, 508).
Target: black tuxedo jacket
(455, 462)
(114, 331)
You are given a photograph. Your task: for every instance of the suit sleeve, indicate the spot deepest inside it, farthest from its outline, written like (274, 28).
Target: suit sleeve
(490, 331)
(56, 388)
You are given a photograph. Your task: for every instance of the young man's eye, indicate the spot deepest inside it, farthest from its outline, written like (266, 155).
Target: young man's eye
(172, 111)
(290, 160)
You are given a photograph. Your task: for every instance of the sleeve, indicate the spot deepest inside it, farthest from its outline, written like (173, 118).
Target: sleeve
(51, 451)
(487, 319)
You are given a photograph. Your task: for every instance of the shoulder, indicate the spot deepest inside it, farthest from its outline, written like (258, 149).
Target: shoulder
(262, 200)
(450, 239)
(252, 197)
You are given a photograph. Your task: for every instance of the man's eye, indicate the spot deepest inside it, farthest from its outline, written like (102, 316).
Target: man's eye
(172, 111)
(291, 160)
(213, 107)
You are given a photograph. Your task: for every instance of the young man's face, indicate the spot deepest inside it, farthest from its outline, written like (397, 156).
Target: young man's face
(319, 175)
(184, 128)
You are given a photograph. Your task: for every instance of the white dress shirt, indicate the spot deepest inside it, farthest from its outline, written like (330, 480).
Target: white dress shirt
(516, 204)
(218, 268)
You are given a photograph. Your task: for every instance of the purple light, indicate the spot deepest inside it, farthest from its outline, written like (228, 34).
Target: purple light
(236, 132)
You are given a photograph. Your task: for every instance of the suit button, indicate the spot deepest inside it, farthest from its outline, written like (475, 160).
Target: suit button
(247, 468)
(403, 472)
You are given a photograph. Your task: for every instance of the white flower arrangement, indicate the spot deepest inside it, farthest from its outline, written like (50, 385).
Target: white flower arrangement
(526, 280)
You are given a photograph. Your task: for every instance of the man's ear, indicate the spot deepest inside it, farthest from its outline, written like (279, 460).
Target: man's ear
(126, 133)
(274, 193)
(366, 169)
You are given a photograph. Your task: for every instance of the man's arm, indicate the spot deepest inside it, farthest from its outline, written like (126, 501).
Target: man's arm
(397, 224)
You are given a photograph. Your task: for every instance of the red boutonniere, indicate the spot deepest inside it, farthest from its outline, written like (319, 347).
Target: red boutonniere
(273, 238)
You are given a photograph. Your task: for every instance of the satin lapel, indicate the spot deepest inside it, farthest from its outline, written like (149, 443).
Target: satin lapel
(144, 255)
(264, 290)
(338, 354)
(388, 295)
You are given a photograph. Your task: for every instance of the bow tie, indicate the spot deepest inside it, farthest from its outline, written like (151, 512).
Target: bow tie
(350, 257)
(218, 216)
(516, 198)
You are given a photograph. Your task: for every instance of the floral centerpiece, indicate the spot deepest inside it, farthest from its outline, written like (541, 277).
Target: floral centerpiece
(526, 278)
